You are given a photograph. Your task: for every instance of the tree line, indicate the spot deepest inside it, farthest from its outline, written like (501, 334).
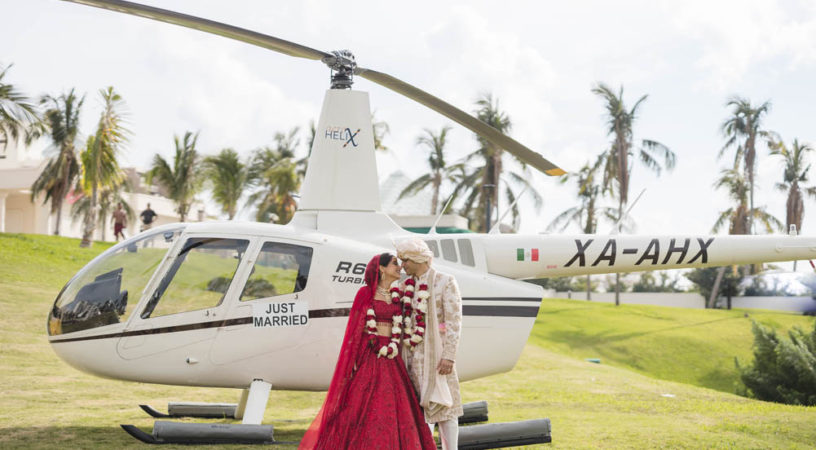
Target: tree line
(86, 170)
(268, 179)
(745, 137)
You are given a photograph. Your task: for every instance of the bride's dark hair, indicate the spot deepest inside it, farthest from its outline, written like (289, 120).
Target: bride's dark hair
(385, 259)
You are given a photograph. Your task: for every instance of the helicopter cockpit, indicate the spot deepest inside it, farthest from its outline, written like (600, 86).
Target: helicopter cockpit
(197, 278)
(99, 294)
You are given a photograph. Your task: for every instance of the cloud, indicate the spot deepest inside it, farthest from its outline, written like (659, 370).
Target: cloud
(738, 37)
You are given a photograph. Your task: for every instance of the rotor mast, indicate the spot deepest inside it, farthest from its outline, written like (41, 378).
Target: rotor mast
(342, 64)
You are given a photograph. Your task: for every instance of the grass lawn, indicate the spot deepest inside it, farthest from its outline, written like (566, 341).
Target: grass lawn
(693, 346)
(664, 381)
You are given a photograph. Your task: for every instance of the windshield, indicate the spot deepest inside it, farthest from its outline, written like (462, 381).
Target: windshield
(106, 290)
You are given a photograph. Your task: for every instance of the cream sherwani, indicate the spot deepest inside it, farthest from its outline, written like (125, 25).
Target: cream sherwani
(446, 305)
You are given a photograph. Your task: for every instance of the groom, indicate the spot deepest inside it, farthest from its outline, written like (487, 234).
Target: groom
(431, 355)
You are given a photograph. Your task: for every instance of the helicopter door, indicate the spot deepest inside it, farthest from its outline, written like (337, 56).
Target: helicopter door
(187, 306)
(272, 312)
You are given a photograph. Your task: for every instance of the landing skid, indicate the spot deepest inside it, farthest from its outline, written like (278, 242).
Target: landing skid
(152, 413)
(510, 434)
(140, 435)
(201, 410)
(250, 410)
(474, 412)
(204, 434)
(485, 436)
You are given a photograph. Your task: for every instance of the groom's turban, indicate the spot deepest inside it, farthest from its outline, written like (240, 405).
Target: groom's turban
(414, 249)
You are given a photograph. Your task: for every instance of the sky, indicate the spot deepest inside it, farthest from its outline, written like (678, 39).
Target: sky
(540, 59)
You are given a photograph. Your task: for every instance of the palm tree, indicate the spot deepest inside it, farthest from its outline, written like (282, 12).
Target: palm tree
(228, 177)
(479, 195)
(380, 129)
(585, 215)
(615, 160)
(109, 197)
(483, 185)
(282, 182)
(303, 163)
(312, 136)
(183, 180)
(100, 167)
(278, 175)
(742, 130)
(18, 115)
(738, 217)
(794, 179)
(440, 171)
(62, 119)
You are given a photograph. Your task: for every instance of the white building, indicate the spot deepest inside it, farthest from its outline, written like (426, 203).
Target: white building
(19, 214)
(413, 213)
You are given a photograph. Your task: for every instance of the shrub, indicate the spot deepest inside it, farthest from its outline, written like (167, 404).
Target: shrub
(784, 371)
(704, 282)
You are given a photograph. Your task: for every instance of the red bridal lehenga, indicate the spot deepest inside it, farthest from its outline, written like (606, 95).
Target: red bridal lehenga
(371, 403)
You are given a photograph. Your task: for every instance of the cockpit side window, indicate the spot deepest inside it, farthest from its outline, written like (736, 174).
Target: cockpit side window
(198, 278)
(279, 269)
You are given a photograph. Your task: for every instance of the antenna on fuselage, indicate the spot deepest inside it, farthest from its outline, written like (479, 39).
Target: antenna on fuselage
(616, 230)
(495, 228)
(439, 216)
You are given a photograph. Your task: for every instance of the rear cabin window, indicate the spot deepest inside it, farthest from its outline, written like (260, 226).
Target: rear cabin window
(448, 250)
(434, 248)
(280, 269)
(466, 252)
(199, 277)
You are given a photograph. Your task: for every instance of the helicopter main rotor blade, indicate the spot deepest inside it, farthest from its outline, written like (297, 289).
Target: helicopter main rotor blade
(475, 125)
(292, 49)
(209, 26)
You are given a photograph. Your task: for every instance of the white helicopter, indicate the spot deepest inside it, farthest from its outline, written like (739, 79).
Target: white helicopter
(258, 306)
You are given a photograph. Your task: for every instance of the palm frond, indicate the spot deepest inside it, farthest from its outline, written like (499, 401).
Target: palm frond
(722, 219)
(415, 186)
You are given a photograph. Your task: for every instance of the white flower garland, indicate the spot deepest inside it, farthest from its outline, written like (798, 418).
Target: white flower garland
(414, 329)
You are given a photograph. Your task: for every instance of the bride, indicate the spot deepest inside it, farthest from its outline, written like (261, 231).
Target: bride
(371, 402)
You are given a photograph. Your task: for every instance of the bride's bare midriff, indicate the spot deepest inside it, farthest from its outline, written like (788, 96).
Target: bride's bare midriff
(383, 328)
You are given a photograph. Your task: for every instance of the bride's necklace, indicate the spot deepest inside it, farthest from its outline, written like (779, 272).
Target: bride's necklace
(392, 348)
(382, 292)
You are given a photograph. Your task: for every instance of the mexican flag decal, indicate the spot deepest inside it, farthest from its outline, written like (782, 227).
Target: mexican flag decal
(527, 254)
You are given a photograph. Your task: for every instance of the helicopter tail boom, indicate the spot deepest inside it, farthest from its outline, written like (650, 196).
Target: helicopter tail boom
(545, 256)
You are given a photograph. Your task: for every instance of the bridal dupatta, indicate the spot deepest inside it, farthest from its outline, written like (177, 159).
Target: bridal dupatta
(350, 353)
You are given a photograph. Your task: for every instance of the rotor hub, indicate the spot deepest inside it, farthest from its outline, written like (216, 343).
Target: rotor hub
(342, 65)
